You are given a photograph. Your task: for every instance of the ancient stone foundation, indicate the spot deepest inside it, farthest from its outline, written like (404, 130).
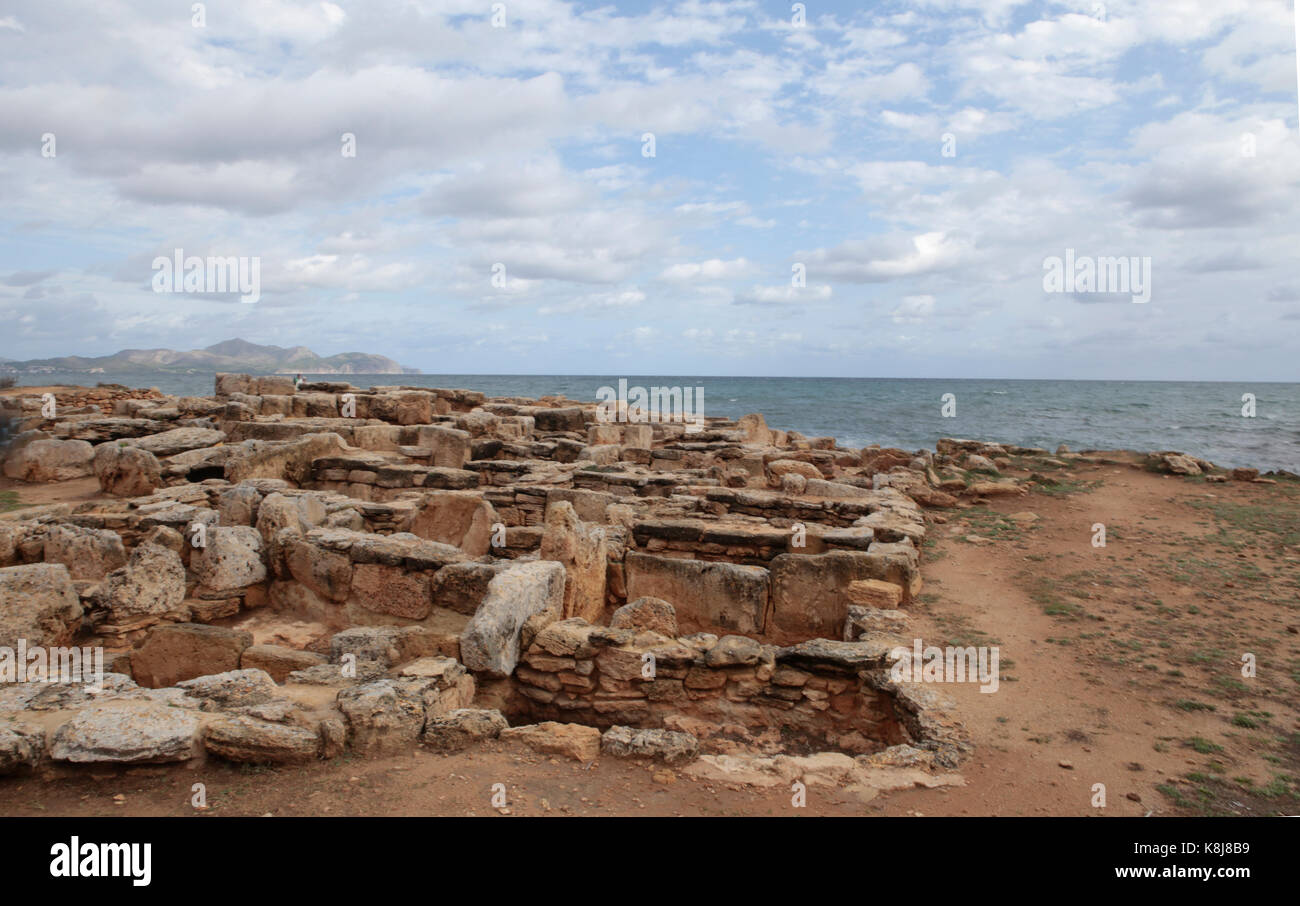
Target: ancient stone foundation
(270, 579)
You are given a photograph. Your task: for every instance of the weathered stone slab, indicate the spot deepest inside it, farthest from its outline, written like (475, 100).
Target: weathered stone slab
(88, 553)
(391, 590)
(127, 735)
(152, 582)
(229, 560)
(582, 550)
(462, 586)
(462, 519)
(463, 727)
(126, 471)
(810, 592)
(278, 661)
(490, 641)
(382, 716)
(449, 447)
(182, 651)
(178, 440)
(233, 688)
(39, 603)
(671, 746)
(706, 595)
(326, 572)
(576, 741)
(647, 614)
(50, 459)
(248, 740)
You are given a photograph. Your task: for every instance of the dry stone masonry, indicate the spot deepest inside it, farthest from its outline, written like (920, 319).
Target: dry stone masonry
(279, 574)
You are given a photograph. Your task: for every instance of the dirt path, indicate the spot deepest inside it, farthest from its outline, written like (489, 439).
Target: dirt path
(1113, 657)
(74, 492)
(416, 784)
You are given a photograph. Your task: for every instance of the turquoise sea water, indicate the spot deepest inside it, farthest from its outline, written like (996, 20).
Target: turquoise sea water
(1203, 419)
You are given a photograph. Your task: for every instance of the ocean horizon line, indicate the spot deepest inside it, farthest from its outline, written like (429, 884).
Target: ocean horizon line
(786, 377)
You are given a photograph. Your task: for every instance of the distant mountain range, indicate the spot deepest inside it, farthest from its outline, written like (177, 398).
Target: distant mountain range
(230, 355)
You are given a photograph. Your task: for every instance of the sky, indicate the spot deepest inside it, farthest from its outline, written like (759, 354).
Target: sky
(636, 188)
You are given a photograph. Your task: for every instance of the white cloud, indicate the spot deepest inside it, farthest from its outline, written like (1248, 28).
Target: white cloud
(712, 269)
(876, 260)
(522, 146)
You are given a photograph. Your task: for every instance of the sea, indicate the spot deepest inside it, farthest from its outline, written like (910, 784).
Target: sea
(1204, 419)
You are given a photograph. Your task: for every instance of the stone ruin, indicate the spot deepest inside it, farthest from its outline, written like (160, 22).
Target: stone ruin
(273, 582)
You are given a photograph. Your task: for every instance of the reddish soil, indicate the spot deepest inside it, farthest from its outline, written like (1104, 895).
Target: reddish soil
(79, 490)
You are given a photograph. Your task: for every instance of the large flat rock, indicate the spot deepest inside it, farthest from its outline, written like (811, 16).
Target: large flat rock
(127, 735)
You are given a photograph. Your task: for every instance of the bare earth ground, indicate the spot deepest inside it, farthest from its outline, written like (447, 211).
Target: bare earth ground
(1121, 665)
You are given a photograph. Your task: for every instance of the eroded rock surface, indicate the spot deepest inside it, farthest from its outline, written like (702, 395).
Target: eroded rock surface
(275, 578)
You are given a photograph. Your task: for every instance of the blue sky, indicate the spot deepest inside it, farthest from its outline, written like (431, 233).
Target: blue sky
(1114, 130)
